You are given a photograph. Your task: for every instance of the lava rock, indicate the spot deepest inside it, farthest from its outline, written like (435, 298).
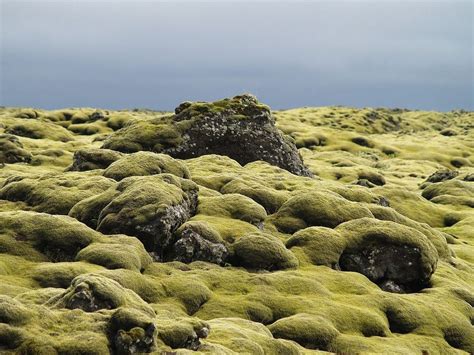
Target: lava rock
(11, 150)
(442, 175)
(150, 208)
(192, 246)
(395, 257)
(90, 159)
(241, 128)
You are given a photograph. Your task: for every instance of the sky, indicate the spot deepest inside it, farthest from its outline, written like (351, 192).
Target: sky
(156, 54)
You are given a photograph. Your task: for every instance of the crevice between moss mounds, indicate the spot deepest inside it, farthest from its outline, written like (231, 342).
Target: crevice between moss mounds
(241, 128)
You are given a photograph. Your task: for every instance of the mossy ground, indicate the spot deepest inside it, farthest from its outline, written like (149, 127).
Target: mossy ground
(282, 292)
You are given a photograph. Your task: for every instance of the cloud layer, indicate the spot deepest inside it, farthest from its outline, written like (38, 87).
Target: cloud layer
(157, 54)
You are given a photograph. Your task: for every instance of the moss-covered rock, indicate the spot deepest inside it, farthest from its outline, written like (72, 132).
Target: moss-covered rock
(320, 245)
(57, 238)
(11, 150)
(93, 292)
(261, 251)
(117, 252)
(317, 208)
(145, 163)
(398, 258)
(54, 193)
(233, 206)
(150, 208)
(39, 129)
(197, 241)
(90, 159)
(310, 331)
(240, 127)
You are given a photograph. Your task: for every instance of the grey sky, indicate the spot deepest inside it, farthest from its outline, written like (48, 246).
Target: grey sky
(156, 54)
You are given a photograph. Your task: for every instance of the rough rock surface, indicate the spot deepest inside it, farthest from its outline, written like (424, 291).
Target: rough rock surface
(268, 262)
(11, 150)
(90, 159)
(150, 208)
(240, 128)
(192, 246)
(442, 175)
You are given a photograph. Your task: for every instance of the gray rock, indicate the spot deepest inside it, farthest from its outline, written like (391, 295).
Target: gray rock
(394, 268)
(192, 246)
(90, 159)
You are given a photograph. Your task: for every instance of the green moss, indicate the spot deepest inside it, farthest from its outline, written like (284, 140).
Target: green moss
(312, 332)
(13, 312)
(92, 292)
(317, 208)
(55, 194)
(58, 237)
(145, 163)
(233, 206)
(117, 253)
(60, 274)
(90, 159)
(11, 150)
(320, 245)
(261, 251)
(39, 129)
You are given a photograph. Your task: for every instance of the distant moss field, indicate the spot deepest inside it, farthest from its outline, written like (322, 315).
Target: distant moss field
(284, 294)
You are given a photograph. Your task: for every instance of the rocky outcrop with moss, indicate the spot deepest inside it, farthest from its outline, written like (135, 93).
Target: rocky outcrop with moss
(227, 228)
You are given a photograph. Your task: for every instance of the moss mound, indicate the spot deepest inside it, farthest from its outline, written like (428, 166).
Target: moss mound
(55, 193)
(317, 208)
(11, 150)
(234, 248)
(145, 163)
(260, 251)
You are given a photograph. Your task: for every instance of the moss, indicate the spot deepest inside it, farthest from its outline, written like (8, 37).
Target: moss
(90, 159)
(118, 253)
(455, 187)
(55, 194)
(86, 129)
(145, 163)
(312, 332)
(261, 251)
(320, 245)
(11, 150)
(58, 237)
(38, 129)
(317, 208)
(92, 292)
(148, 207)
(60, 274)
(233, 206)
(13, 312)
(416, 255)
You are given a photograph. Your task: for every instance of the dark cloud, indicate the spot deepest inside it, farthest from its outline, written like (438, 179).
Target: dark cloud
(156, 54)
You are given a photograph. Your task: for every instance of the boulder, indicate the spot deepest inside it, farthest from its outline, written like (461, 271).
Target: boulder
(396, 257)
(11, 150)
(150, 208)
(241, 128)
(196, 243)
(90, 159)
(442, 175)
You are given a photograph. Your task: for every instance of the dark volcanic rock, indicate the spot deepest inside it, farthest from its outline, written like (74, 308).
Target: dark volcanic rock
(393, 268)
(192, 246)
(136, 340)
(240, 128)
(90, 159)
(442, 175)
(11, 150)
(150, 208)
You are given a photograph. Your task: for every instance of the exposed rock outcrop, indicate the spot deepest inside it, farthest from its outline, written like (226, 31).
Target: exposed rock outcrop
(241, 128)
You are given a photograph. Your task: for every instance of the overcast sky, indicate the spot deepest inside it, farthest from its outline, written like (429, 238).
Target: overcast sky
(111, 54)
